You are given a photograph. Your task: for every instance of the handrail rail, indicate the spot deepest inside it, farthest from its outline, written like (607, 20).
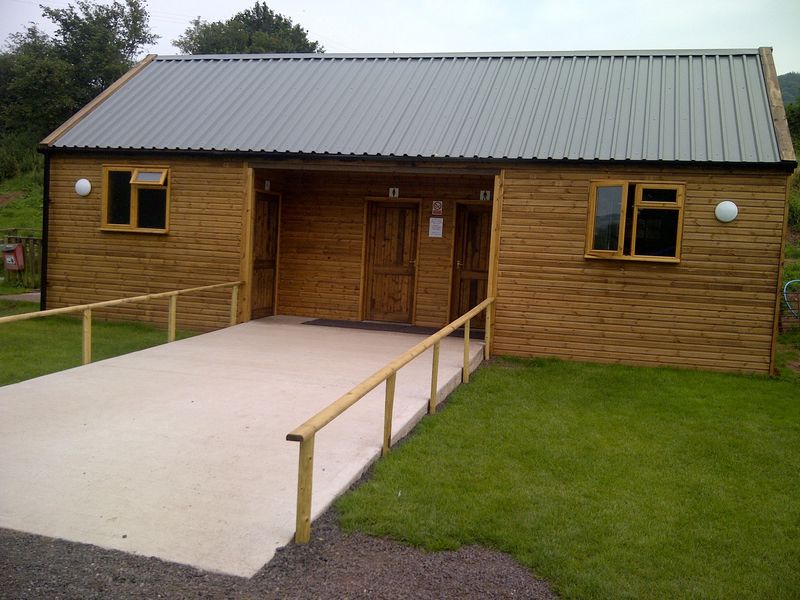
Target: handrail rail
(171, 316)
(115, 302)
(333, 410)
(306, 432)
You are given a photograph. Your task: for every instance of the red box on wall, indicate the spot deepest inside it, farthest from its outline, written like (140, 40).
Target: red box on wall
(12, 257)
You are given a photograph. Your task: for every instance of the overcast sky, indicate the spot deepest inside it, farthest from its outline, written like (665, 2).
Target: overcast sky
(492, 25)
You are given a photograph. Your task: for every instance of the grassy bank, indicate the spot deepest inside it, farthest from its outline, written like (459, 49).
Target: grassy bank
(40, 346)
(21, 202)
(608, 481)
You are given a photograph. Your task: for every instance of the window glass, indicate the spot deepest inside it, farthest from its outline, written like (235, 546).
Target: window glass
(152, 211)
(119, 197)
(607, 218)
(659, 195)
(650, 212)
(148, 177)
(656, 232)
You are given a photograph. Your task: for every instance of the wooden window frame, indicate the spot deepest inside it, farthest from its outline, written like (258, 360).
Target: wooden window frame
(132, 225)
(638, 203)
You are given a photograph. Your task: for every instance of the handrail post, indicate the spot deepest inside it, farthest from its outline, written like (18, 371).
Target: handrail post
(234, 304)
(434, 380)
(87, 336)
(487, 335)
(172, 319)
(305, 476)
(465, 371)
(387, 413)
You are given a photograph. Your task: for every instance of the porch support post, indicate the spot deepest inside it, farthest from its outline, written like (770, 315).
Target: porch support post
(494, 260)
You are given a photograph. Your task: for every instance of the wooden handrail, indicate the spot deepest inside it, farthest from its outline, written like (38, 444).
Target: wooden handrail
(81, 307)
(306, 432)
(333, 410)
(86, 309)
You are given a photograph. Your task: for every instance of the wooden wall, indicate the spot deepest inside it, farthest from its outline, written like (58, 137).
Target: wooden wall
(713, 310)
(322, 237)
(202, 247)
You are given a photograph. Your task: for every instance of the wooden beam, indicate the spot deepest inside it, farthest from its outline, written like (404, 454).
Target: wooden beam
(246, 249)
(370, 167)
(494, 256)
(776, 108)
(98, 100)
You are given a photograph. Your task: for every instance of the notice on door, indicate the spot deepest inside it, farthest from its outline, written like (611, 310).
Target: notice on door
(435, 227)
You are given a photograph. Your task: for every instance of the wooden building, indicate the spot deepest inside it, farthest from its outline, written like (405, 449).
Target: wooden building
(586, 191)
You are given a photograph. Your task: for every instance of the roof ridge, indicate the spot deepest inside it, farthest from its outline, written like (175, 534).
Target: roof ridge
(504, 54)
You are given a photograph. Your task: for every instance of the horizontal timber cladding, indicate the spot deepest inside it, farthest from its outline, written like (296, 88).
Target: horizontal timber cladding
(202, 246)
(715, 309)
(320, 259)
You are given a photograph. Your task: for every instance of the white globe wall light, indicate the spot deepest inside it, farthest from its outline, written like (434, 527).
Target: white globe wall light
(726, 211)
(83, 187)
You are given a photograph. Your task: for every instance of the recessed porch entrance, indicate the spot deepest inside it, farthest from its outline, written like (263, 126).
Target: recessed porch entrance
(407, 246)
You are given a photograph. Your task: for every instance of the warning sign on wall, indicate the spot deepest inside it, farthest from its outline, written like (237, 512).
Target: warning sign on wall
(438, 208)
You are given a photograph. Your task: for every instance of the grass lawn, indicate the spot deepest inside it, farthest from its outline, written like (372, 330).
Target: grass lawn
(40, 346)
(608, 481)
(7, 288)
(787, 356)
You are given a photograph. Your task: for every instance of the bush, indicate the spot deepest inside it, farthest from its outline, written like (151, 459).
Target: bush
(794, 201)
(18, 155)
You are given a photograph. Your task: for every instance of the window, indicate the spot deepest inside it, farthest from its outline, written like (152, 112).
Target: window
(635, 221)
(136, 198)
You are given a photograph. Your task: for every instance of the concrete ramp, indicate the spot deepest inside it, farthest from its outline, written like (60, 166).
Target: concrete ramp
(179, 451)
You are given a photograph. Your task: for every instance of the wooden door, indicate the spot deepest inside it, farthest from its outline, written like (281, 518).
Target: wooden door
(471, 260)
(265, 254)
(391, 261)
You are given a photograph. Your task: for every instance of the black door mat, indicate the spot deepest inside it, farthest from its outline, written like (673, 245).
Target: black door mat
(476, 334)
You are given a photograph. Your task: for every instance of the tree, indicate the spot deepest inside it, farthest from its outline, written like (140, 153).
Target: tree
(793, 117)
(257, 30)
(100, 42)
(44, 79)
(36, 87)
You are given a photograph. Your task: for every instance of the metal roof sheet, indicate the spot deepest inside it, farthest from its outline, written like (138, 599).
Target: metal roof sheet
(670, 105)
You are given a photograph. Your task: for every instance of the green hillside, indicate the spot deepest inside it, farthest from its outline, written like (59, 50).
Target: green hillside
(790, 86)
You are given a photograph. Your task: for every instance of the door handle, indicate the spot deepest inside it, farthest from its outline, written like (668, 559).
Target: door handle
(459, 265)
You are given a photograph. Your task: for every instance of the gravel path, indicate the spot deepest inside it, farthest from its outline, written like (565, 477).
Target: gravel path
(334, 565)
